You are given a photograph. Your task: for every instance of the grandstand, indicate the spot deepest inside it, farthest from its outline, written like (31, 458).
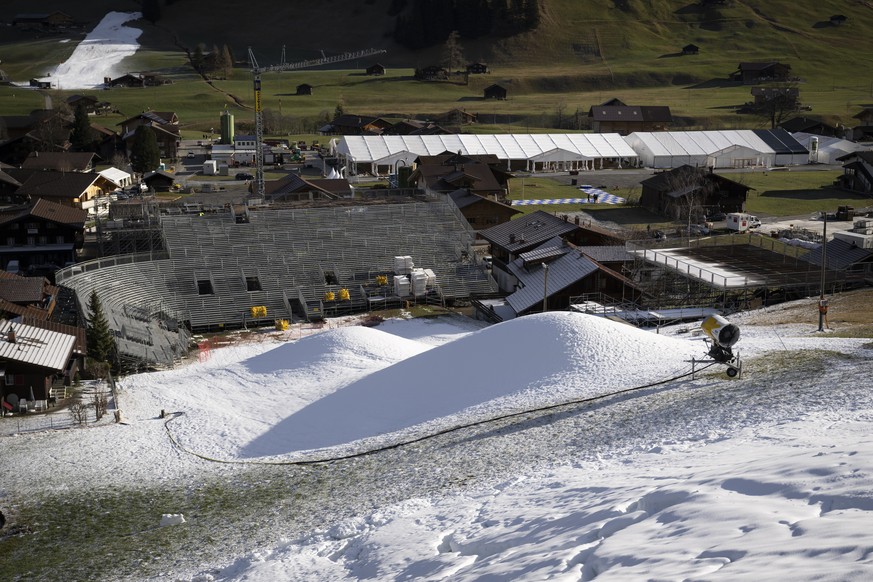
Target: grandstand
(220, 265)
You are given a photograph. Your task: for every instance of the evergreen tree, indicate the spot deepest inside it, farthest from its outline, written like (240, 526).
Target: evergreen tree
(338, 111)
(197, 59)
(228, 61)
(145, 155)
(151, 10)
(453, 53)
(98, 334)
(80, 137)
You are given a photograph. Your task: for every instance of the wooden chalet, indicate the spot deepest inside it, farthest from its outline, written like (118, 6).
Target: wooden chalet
(42, 235)
(627, 119)
(478, 69)
(750, 73)
(668, 193)
(376, 69)
(33, 360)
(494, 91)
(857, 172)
(416, 127)
(838, 19)
(60, 161)
(155, 80)
(446, 173)
(790, 95)
(159, 181)
(127, 80)
(482, 212)
(349, 124)
(84, 190)
(456, 117)
(295, 188)
(690, 49)
(521, 246)
(40, 83)
(165, 124)
(304, 89)
(809, 125)
(88, 102)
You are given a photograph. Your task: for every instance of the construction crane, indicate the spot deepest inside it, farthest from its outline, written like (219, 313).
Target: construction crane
(259, 112)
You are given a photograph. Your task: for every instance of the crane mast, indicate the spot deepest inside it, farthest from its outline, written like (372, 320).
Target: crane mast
(259, 113)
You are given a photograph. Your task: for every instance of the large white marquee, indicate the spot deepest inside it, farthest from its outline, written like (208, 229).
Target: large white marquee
(379, 155)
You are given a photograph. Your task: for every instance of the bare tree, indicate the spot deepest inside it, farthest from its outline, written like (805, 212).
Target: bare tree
(776, 102)
(453, 52)
(79, 412)
(688, 188)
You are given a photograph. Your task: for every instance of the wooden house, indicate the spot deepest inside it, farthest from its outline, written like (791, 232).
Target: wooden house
(60, 161)
(127, 80)
(43, 21)
(83, 190)
(448, 172)
(296, 188)
(838, 19)
(43, 235)
(626, 119)
(88, 102)
(494, 91)
(159, 181)
(482, 212)
(375, 69)
(348, 124)
(165, 124)
(690, 49)
(456, 117)
(304, 89)
(857, 172)
(790, 96)
(33, 360)
(477, 69)
(676, 192)
(750, 73)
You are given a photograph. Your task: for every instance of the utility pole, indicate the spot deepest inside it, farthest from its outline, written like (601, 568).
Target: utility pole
(545, 287)
(822, 302)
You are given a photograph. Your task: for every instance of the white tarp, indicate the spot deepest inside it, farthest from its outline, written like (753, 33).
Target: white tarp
(721, 149)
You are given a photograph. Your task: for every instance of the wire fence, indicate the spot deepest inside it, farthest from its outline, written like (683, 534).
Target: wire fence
(61, 417)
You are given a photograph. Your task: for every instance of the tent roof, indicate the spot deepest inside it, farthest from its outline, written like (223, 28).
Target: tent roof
(363, 148)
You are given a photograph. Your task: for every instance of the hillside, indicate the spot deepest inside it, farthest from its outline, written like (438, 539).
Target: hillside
(582, 53)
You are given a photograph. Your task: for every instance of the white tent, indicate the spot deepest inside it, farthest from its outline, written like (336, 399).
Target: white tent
(720, 149)
(532, 152)
(827, 149)
(119, 177)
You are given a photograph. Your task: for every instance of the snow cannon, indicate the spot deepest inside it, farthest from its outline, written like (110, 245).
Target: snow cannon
(721, 331)
(722, 336)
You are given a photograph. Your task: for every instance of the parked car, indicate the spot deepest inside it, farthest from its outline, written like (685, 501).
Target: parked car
(190, 155)
(244, 176)
(754, 222)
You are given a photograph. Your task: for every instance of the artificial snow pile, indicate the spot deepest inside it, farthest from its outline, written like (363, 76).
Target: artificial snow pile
(100, 54)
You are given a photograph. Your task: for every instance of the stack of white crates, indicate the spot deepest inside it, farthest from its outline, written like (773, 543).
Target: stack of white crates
(419, 282)
(403, 265)
(401, 285)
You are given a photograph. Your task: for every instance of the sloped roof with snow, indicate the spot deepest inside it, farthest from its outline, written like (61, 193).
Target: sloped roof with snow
(32, 345)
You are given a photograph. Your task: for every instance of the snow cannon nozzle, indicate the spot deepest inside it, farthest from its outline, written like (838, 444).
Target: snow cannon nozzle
(721, 331)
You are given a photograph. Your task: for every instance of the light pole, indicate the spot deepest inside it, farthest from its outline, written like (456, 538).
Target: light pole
(822, 303)
(545, 287)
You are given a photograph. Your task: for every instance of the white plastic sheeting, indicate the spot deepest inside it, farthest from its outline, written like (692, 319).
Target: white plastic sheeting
(538, 152)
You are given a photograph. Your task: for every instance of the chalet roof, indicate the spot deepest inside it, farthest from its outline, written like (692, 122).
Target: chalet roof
(566, 267)
(840, 255)
(866, 112)
(35, 346)
(291, 183)
(462, 197)
(607, 253)
(451, 159)
(804, 124)
(159, 174)
(668, 180)
(615, 101)
(648, 113)
(52, 184)
(348, 120)
(73, 99)
(447, 178)
(7, 179)
(47, 210)
(60, 161)
(527, 231)
(159, 117)
(17, 289)
(866, 156)
(766, 91)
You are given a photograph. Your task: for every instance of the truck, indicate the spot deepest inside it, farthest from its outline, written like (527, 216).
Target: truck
(741, 222)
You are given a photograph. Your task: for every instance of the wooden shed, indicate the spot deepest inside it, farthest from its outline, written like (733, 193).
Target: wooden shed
(495, 92)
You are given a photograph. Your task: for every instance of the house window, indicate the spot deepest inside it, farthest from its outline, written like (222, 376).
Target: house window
(10, 379)
(43, 240)
(253, 284)
(60, 239)
(10, 240)
(204, 287)
(51, 225)
(31, 240)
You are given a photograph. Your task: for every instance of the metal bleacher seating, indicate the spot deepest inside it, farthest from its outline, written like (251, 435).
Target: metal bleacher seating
(283, 259)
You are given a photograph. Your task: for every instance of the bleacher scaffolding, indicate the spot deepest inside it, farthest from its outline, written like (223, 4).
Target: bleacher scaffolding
(215, 267)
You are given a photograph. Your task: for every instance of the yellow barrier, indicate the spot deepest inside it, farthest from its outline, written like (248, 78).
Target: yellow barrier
(282, 325)
(344, 295)
(329, 296)
(258, 311)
